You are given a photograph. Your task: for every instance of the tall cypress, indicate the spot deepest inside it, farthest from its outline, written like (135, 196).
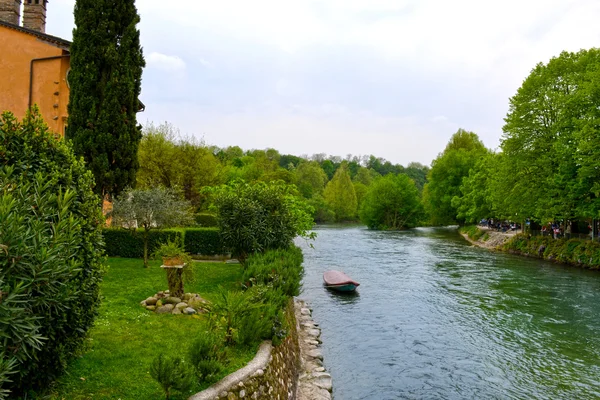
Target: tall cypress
(105, 82)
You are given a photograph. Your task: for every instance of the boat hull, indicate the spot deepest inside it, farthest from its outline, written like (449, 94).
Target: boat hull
(342, 288)
(338, 281)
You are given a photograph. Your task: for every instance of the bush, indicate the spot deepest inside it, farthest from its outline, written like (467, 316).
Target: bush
(206, 355)
(473, 232)
(280, 269)
(574, 251)
(260, 217)
(50, 254)
(130, 243)
(204, 241)
(206, 220)
(171, 373)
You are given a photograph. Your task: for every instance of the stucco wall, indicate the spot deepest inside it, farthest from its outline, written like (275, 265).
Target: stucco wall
(271, 375)
(50, 90)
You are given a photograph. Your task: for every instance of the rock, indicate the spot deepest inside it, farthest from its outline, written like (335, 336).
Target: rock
(187, 296)
(189, 311)
(315, 353)
(151, 308)
(305, 311)
(181, 305)
(167, 308)
(151, 301)
(314, 332)
(159, 303)
(143, 303)
(172, 300)
(324, 382)
(197, 303)
(242, 394)
(176, 310)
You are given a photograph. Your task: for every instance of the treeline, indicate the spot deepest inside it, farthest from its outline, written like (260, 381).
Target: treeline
(336, 188)
(548, 165)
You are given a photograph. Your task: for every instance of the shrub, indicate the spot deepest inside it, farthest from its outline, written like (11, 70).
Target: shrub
(259, 217)
(204, 241)
(281, 269)
(206, 354)
(130, 243)
(50, 254)
(171, 373)
(206, 220)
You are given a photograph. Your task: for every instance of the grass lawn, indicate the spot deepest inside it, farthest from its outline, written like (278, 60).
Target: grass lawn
(126, 337)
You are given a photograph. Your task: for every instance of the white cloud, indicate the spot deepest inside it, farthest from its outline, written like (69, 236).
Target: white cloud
(164, 62)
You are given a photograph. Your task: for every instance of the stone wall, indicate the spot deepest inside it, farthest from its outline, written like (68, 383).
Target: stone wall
(271, 375)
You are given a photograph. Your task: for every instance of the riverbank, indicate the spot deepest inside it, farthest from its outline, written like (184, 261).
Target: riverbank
(490, 239)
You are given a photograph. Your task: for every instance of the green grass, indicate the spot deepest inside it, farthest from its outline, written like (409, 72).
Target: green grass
(126, 337)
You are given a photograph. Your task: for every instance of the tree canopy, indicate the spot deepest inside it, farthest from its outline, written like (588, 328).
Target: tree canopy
(105, 84)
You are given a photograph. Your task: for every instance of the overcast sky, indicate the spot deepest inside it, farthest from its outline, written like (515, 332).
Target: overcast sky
(391, 78)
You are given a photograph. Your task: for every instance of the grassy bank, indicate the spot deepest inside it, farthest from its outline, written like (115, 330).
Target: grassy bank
(583, 253)
(126, 337)
(473, 232)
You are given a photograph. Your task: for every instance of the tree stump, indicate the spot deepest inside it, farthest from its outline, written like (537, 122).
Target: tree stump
(175, 279)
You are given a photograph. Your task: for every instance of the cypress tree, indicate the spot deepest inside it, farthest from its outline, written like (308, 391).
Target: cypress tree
(105, 83)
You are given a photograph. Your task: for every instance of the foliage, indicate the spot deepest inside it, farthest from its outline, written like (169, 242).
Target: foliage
(177, 163)
(280, 269)
(550, 139)
(477, 195)
(206, 354)
(206, 220)
(322, 213)
(150, 209)
(340, 195)
(50, 254)
(446, 175)
(172, 373)
(258, 217)
(105, 83)
(203, 241)
(229, 311)
(391, 202)
(310, 179)
(473, 232)
(585, 253)
(129, 243)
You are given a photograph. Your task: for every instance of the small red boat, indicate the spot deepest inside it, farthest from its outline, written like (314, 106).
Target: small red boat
(337, 280)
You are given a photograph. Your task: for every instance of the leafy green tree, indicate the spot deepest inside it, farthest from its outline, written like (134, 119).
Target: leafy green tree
(158, 158)
(477, 197)
(105, 83)
(51, 249)
(446, 175)
(257, 217)
(418, 173)
(340, 195)
(392, 202)
(310, 179)
(149, 209)
(549, 138)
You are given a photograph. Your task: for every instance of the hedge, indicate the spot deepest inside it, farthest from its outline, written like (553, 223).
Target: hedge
(206, 220)
(205, 241)
(129, 243)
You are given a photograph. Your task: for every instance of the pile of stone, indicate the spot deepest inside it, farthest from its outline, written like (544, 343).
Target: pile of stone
(163, 303)
(314, 382)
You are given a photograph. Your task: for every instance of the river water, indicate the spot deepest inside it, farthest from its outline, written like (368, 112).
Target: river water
(436, 318)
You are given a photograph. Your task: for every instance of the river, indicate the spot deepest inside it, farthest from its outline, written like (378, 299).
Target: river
(436, 318)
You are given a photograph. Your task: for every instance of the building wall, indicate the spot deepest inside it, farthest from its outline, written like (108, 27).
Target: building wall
(49, 87)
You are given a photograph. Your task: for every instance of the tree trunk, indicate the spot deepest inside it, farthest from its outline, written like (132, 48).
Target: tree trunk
(145, 248)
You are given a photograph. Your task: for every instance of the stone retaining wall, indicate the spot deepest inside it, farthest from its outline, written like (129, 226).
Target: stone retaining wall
(271, 375)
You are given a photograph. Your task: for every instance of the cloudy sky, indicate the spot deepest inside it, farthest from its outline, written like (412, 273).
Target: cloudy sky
(393, 78)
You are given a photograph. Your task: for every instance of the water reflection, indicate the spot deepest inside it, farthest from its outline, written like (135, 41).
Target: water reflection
(437, 318)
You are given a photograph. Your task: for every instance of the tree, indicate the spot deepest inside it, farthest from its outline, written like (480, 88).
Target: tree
(51, 254)
(153, 208)
(339, 194)
(310, 179)
(392, 202)
(477, 196)
(255, 217)
(446, 175)
(105, 83)
(550, 138)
